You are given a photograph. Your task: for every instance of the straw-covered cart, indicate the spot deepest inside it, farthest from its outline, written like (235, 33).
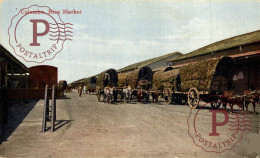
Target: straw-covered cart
(203, 80)
(90, 84)
(63, 84)
(106, 78)
(122, 79)
(139, 79)
(164, 81)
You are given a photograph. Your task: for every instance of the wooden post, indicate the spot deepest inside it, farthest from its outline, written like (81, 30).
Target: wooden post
(26, 81)
(46, 105)
(53, 110)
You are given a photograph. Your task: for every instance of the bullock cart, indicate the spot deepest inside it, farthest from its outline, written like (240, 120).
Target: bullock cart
(124, 90)
(204, 80)
(164, 81)
(90, 84)
(108, 78)
(140, 81)
(62, 86)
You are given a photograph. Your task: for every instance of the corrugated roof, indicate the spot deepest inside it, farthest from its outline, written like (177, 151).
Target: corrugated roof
(146, 62)
(83, 79)
(243, 39)
(80, 80)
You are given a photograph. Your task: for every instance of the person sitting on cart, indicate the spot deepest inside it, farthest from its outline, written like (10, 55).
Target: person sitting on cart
(107, 80)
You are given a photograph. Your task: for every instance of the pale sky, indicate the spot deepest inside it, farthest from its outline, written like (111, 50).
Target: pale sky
(116, 33)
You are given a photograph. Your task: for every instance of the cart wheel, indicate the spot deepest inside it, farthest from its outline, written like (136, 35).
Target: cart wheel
(215, 105)
(167, 96)
(193, 98)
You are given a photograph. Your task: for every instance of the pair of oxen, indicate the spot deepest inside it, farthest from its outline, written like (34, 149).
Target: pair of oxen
(242, 101)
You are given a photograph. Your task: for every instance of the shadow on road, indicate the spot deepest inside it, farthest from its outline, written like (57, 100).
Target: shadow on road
(17, 112)
(59, 124)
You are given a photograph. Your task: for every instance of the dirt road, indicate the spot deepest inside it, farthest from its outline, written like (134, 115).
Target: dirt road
(86, 127)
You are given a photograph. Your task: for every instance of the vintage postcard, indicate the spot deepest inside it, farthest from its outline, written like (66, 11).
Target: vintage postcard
(129, 78)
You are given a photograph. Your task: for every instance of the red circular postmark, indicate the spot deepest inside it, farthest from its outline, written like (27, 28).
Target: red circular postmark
(217, 130)
(36, 34)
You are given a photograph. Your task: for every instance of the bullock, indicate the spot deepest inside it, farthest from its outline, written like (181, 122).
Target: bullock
(91, 90)
(251, 97)
(126, 94)
(108, 93)
(140, 95)
(228, 97)
(155, 96)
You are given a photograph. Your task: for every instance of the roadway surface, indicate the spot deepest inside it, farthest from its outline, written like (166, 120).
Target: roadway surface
(86, 127)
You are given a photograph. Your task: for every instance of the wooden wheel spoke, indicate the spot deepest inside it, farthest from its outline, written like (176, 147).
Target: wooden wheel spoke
(193, 98)
(167, 96)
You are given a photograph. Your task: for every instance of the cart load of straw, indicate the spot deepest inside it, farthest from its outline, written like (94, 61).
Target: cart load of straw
(122, 79)
(140, 78)
(91, 82)
(165, 79)
(107, 78)
(87, 82)
(63, 84)
(212, 75)
(131, 78)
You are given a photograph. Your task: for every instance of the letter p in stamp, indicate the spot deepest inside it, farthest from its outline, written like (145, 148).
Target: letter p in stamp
(226, 129)
(38, 35)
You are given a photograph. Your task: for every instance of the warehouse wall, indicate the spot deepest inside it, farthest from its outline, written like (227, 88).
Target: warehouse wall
(17, 81)
(247, 75)
(163, 62)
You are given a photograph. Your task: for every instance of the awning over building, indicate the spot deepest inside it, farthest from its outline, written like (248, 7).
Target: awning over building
(14, 66)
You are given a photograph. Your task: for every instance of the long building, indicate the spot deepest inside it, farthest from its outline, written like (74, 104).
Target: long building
(153, 63)
(244, 49)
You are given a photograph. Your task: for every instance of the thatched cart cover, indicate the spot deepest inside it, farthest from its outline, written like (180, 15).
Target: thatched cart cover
(165, 79)
(213, 74)
(133, 77)
(113, 79)
(91, 82)
(63, 84)
(122, 79)
(87, 82)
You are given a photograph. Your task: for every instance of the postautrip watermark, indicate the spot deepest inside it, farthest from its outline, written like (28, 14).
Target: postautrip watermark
(224, 130)
(37, 33)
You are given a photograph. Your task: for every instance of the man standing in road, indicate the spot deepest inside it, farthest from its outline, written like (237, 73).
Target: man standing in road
(80, 90)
